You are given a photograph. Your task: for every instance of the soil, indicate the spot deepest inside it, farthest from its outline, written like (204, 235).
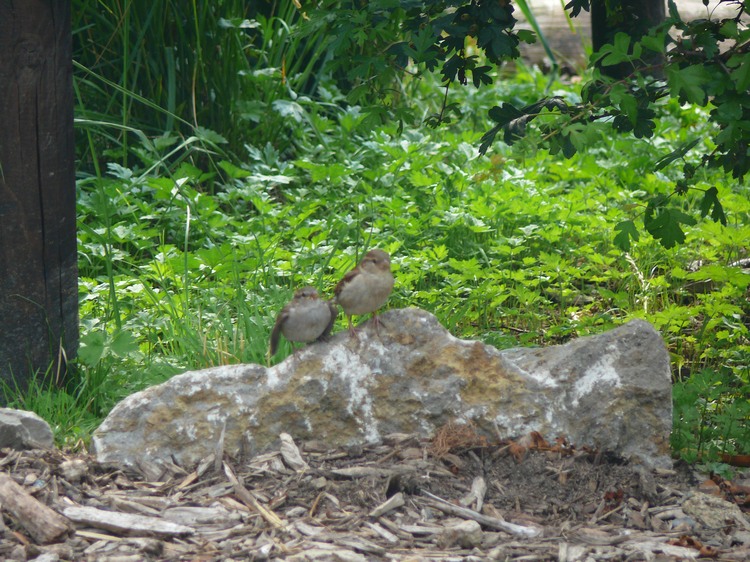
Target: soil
(407, 499)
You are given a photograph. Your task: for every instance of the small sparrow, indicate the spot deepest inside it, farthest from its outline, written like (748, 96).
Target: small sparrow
(366, 287)
(305, 318)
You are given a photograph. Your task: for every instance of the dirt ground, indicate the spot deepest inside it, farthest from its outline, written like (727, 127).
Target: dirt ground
(455, 497)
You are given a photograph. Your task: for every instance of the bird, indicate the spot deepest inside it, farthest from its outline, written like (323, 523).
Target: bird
(366, 287)
(306, 318)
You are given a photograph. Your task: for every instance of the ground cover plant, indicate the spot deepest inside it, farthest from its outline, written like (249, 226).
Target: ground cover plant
(189, 243)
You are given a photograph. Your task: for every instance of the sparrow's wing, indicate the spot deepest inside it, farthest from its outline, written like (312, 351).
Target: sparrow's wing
(334, 313)
(345, 281)
(276, 332)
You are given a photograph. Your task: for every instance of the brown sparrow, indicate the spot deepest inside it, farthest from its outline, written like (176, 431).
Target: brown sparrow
(305, 318)
(366, 287)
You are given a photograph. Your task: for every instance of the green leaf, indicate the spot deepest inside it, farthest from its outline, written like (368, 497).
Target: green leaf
(626, 101)
(625, 231)
(123, 343)
(91, 348)
(616, 52)
(568, 148)
(234, 172)
(451, 68)
(504, 114)
(502, 46)
(654, 42)
(622, 124)
(665, 227)
(562, 143)
(289, 109)
(581, 135)
(644, 125)
(209, 135)
(575, 7)
(480, 75)
(710, 203)
(488, 138)
(728, 112)
(688, 83)
(741, 74)
(728, 28)
(526, 35)
(721, 274)
(187, 170)
(677, 153)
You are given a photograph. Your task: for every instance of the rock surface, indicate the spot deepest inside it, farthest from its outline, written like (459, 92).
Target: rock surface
(611, 391)
(22, 430)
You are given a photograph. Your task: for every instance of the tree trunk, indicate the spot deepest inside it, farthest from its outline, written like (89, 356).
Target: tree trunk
(633, 17)
(38, 271)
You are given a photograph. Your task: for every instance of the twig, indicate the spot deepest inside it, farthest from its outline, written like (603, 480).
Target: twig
(491, 522)
(248, 499)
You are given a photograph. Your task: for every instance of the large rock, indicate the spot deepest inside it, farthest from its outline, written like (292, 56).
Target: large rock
(611, 391)
(21, 430)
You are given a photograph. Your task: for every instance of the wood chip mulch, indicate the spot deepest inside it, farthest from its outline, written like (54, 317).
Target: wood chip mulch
(408, 499)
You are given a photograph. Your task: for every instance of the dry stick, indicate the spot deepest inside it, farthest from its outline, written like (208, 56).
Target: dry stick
(248, 499)
(596, 519)
(125, 523)
(42, 522)
(394, 502)
(492, 522)
(314, 506)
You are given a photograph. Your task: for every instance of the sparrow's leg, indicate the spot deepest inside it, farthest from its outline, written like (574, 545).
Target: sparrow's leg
(376, 320)
(352, 329)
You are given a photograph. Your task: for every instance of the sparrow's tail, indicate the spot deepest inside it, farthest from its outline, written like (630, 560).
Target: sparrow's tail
(273, 344)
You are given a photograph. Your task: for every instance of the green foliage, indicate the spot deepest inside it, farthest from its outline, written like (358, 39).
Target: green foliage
(226, 65)
(191, 237)
(708, 64)
(73, 409)
(376, 48)
(705, 63)
(711, 411)
(282, 66)
(626, 231)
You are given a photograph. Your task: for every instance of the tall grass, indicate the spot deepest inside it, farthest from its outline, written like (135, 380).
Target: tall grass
(171, 67)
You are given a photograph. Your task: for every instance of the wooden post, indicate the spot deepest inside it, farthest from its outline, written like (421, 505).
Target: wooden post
(38, 271)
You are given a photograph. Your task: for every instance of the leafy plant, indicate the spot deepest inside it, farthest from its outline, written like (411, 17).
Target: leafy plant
(71, 409)
(223, 66)
(706, 64)
(711, 413)
(189, 245)
(696, 70)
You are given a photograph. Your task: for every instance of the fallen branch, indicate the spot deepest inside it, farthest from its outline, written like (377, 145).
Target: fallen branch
(491, 522)
(126, 523)
(42, 522)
